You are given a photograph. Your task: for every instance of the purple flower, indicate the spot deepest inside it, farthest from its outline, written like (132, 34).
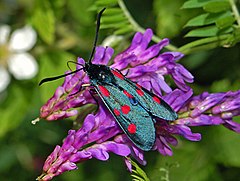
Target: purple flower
(100, 133)
(95, 129)
(212, 109)
(148, 67)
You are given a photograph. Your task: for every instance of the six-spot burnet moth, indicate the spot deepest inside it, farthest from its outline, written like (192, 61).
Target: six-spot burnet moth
(134, 108)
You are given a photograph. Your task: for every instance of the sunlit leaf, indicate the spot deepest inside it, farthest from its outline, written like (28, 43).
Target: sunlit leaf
(206, 19)
(216, 6)
(207, 32)
(203, 32)
(138, 173)
(225, 22)
(112, 18)
(105, 2)
(123, 30)
(194, 3)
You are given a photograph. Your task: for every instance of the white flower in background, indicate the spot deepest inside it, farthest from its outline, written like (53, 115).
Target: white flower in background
(13, 54)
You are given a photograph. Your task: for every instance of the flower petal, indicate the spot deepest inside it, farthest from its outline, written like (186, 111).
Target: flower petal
(4, 33)
(5, 79)
(23, 66)
(23, 39)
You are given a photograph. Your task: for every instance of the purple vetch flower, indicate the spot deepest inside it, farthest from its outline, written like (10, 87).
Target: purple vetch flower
(211, 109)
(148, 67)
(95, 129)
(100, 133)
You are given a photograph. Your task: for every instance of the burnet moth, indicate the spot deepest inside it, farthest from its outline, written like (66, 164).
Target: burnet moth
(134, 108)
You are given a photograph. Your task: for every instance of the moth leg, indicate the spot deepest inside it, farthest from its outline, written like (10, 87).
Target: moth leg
(91, 92)
(81, 88)
(126, 73)
(121, 72)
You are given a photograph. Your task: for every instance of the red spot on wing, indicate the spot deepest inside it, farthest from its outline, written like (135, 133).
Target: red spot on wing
(138, 86)
(127, 94)
(118, 74)
(156, 99)
(116, 112)
(104, 91)
(125, 109)
(132, 128)
(140, 92)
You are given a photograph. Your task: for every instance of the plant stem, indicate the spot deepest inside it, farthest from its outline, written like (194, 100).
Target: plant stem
(187, 48)
(137, 27)
(235, 11)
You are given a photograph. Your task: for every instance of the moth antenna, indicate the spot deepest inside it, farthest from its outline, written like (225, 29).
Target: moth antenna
(57, 77)
(96, 35)
(74, 63)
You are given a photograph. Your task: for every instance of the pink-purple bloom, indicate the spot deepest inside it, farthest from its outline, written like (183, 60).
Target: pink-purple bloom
(100, 134)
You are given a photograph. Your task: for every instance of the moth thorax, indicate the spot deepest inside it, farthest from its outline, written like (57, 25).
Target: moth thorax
(100, 73)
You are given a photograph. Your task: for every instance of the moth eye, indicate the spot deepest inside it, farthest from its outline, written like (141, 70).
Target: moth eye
(102, 75)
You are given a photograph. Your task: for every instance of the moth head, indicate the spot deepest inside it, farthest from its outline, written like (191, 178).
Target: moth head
(99, 73)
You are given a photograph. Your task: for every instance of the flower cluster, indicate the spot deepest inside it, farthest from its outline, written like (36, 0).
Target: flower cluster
(212, 109)
(100, 134)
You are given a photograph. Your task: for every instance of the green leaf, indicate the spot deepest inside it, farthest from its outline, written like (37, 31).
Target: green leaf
(225, 22)
(113, 11)
(217, 6)
(113, 18)
(208, 32)
(203, 32)
(115, 25)
(43, 20)
(194, 4)
(106, 2)
(123, 30)
(138, 173)
(206, 19)
(53, 64)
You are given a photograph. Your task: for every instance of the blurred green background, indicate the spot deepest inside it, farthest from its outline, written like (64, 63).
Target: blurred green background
(65, 31)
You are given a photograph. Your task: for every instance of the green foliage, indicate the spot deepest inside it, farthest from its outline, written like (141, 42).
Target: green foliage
(217, 20)
(217, 6)
(52, 63)
(9, 121)
(137, 173)
(114, 17)
(76, 6)
(43, 20)
(189, 162)
(65, 30)
(194, 4)
(170, 18)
